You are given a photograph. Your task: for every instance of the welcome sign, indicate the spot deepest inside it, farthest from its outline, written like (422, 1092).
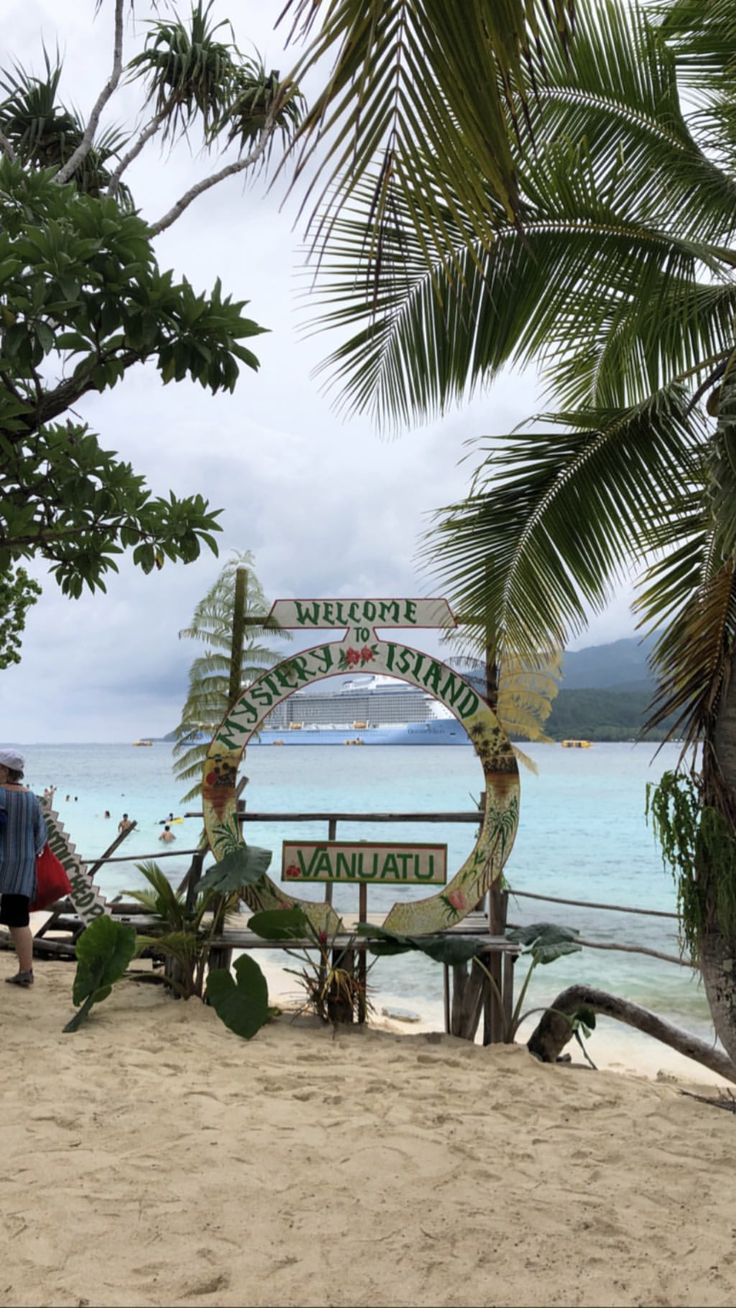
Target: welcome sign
(354, 862)
(360, 648)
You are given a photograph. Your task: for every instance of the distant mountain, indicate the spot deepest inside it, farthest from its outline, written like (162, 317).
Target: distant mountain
(621, 664)
(601, 715)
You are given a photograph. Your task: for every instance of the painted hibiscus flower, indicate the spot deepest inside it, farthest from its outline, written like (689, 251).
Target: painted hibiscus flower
(352, 656)
(457, 899)
(292, 871)
(366, 654)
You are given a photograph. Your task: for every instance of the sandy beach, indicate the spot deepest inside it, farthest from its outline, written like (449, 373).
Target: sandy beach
(154, 1158)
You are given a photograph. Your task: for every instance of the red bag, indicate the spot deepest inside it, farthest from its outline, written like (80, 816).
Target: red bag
(52, 882)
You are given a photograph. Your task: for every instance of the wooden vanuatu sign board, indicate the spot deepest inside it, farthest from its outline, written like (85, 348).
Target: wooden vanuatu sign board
(354, 862)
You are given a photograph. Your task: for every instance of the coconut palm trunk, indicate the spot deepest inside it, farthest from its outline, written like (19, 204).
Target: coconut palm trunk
(718, 938)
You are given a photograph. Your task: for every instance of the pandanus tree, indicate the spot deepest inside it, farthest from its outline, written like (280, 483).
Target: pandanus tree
(82, 298)
(614, 275)
(235, 654)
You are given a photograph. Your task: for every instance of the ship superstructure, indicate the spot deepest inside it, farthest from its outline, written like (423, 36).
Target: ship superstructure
(366, 710)
(368, 701)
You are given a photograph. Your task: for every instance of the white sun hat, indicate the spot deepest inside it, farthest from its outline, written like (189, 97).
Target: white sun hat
(9, 758)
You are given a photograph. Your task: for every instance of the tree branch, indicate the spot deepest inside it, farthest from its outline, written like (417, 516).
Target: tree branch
(85, 145)
(238, 167)
(554, 1030)
(54, 403)
(148, 131)
(49, 535)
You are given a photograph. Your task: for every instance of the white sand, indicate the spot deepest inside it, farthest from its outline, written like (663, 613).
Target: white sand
(154, 1158)
(612, 1046)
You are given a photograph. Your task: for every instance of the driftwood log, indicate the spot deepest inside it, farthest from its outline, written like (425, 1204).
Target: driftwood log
(554, 1031)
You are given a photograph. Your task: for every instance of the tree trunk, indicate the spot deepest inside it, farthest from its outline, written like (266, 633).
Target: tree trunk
(553, 1032)
(718, 968)
(717, 943)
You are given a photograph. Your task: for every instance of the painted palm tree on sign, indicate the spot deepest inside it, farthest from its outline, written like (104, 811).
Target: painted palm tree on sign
(617, 279)
(212, 687)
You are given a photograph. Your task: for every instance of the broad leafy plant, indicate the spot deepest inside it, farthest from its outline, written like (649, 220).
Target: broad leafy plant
(184, 932)
(543, 942)
(333, 989)
(240, 1002)
(104, 950)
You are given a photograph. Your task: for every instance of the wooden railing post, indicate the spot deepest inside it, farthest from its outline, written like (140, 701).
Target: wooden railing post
(493, 1008)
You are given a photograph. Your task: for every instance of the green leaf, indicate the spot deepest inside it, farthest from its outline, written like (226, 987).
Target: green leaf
(585, 1018)
(280, 924)
(242, 1004)
(245, 866)
(545, 941)
(450, 949)
(104, 950)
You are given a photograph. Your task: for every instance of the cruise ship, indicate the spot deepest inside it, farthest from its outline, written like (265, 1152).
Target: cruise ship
(367, 710)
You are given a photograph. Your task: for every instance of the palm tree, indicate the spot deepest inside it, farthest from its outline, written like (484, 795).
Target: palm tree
(616, 278)
(210, 687)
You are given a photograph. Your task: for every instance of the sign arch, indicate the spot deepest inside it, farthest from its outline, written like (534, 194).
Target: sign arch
(360, 650)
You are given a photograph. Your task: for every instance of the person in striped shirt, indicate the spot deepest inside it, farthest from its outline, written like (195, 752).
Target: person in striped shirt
(22, 837)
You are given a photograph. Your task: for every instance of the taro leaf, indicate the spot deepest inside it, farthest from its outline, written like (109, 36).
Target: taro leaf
(280, 924)
(372, 931)
(452, 950)
(548, 953)
(584, 1019)
(240, 867)
(544, 932)
(387, 948)
(242, 1004)
(104, 950)
(386, 942)
(545, 941)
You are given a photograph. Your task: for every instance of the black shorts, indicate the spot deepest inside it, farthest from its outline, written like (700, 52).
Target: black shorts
(14, 910)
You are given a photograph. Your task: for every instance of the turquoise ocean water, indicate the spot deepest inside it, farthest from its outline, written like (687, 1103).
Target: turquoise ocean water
(582, 836)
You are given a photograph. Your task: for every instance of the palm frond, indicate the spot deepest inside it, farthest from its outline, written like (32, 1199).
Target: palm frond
(619, 93)
(555, 517)
(578, 285)
(162, 898)
(692, 586)
(617, 281)
(187, 71)
(694, 652)
(396, 104)
(44, 133)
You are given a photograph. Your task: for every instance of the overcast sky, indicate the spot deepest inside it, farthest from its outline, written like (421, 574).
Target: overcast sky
(328, 507)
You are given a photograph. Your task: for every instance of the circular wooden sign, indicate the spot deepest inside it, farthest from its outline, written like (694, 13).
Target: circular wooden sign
(499, 821)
